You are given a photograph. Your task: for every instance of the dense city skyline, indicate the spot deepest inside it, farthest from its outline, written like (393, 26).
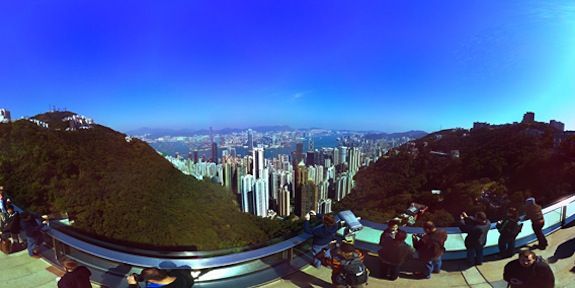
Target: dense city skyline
(379, 66)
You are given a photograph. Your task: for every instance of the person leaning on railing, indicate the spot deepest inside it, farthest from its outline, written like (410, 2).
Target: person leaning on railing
(322, 235)
(508, 229)
(533, 212)
(430, 247)
(476, 228)
(393, 253)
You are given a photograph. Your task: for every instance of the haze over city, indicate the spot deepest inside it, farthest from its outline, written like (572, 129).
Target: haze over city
(376, 66)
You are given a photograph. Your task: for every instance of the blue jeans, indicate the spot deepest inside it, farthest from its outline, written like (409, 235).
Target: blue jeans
(433, 266)
(316, 249)
(475, 256)
(31, 244)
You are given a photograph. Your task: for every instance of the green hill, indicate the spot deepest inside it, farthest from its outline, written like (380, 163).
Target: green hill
(497, 167)
(120, 189)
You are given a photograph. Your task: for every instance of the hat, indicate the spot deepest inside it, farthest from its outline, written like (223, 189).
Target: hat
(69, 264)
(530, 200)
(347, 247)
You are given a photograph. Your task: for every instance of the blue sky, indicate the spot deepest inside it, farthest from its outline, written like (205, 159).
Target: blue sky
(382, 65)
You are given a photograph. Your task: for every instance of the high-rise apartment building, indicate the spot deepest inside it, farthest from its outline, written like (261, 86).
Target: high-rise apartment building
(247, 192)
(258, 162)
(284, 202)
(261, 197)
(5, 116)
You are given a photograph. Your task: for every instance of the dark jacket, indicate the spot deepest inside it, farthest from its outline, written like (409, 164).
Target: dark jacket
(395, 252)
(79, 278)
(183, 279)
(13, 223)
(30, 227)
(509, 228)
(322, 234)
(387, 233)
(431, 246)
(533, 212)
(538, 275)
(476, 232)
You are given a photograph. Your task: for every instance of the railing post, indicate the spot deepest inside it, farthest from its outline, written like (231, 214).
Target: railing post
(563, 215)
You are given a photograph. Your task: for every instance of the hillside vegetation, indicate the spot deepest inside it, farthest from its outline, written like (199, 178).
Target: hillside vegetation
(119, 189)
(498, 167)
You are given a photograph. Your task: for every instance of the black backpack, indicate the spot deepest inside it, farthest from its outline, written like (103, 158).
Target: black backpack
(353, 271)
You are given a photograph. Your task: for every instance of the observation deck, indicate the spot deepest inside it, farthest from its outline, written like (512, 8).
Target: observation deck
(285, 264)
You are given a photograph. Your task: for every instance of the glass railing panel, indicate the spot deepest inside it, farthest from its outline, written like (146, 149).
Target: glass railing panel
(571, 209)
(243, 268)
(552, 217)
(455, 242)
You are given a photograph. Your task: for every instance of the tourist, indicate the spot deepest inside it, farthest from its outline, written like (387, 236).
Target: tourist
(529, 270)
(533, 213)
(32, 232)
(393, 253)
(4, 203)
(154, 277)
(476, 228)
(76, 276)
(347, 266)
(390, 231)
(508, 230)
(12, 225)
(322, 235)
(430, 247)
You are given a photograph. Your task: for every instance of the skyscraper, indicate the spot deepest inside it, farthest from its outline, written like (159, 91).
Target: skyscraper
(250, 140)
(214, 152)
(284, 202)
(261, 198)
(247, 192)
(258, 165)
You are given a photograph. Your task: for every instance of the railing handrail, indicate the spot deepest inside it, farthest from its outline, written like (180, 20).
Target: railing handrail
(197, 263)
(456, 230)
(222, 260)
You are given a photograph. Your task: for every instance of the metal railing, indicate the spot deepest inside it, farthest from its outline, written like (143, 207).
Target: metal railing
(263, 264)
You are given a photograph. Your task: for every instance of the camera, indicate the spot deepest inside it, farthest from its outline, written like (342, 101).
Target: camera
(138, 277)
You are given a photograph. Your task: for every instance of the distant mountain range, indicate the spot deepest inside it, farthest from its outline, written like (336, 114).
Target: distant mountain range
(411, 134)
(159, 132)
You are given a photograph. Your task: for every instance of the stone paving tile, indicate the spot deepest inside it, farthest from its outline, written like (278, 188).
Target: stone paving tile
(473, 276)
(482, 285)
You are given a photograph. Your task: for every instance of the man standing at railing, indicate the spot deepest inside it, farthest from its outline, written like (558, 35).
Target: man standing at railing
(533, 213)
(476, 228)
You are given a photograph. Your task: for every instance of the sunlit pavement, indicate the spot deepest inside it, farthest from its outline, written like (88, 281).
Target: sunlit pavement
(20, 270)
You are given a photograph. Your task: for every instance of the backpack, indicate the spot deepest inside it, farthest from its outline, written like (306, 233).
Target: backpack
(511, 228)
(353, 271)
(434, 248)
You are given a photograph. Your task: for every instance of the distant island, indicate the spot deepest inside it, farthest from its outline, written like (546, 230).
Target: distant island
(119, 188)
(487, 168)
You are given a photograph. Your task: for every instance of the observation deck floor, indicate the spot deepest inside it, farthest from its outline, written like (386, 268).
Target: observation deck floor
(20, 270)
